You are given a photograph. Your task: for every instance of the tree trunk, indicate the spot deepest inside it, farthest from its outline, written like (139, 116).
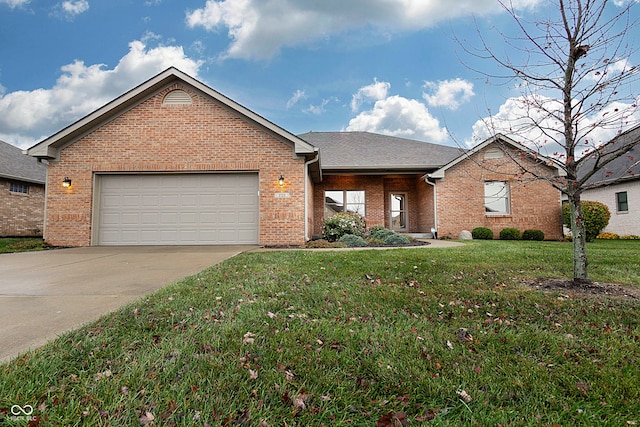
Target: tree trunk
(579, 241)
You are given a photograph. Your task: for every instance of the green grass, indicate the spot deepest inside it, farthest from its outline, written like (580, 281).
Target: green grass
(21, 244)
(346, 338)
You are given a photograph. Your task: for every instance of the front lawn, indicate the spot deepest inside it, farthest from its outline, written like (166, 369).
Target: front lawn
(425, 336)
(21, 244)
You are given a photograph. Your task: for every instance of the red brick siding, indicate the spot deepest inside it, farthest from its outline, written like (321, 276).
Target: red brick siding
(21, 215)
(535, 204)
(202, 137)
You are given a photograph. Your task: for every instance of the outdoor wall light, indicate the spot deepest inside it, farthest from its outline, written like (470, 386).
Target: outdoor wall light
(281, 181)
(66, 182)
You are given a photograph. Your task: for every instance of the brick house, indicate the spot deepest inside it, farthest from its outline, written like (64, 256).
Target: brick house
(22, 180)
(175, 162)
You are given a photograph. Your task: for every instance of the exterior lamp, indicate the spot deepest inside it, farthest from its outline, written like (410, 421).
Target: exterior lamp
(281, 181)
(66, 182)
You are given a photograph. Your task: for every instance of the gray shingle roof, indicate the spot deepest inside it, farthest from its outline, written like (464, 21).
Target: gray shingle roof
(625, 167)
(18, 166)
(370, 151)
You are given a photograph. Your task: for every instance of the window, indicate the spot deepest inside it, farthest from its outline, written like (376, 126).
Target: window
(622, 202)
(343, 201)
(398, 211)
(496, 197)
(14, 187)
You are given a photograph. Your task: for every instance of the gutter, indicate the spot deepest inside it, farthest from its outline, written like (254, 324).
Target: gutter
(316, 158)
(435, 205)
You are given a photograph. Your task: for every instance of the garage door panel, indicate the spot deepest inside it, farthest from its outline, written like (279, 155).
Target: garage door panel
(187, 209)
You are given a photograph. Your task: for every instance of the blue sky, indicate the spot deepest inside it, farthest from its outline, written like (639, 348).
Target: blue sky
(386, 66)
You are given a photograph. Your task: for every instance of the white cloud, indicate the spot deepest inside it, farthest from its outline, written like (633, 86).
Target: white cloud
(371, 93)
(520, 119)
(25, 116)
(259, 29)
(398, 116)
(14, 3)
(320, 109)
(449, 93)
(74, 7)
(297, 96)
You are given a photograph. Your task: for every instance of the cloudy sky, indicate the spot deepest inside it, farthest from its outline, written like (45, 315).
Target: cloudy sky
(386, 66)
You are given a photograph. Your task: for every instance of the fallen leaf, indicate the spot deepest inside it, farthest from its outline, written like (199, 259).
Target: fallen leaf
(289, 375)
(464, 395)
(449, 345)
(253, 375)
(248, 338)
(146, 419)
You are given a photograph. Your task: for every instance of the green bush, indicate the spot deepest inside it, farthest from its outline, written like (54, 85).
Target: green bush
(381, 233)
(396, 239)
(343, 223)
(596, 217)
(533, 235)
(482, 233)
(510, 234)
(353, 241)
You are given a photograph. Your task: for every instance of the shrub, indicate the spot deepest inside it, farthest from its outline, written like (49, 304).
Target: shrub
(596, 217)
(510, 234)
(324, 243)
(533, 235)
(372, 241)
(353, 241)
(382, 233)
(630, 237)
(343, 223)
(482, 233)
(607, 236)
(396, 239)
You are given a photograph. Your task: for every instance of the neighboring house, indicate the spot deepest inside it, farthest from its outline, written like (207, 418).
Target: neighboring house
(22, 180)
(174, 162)
(617, 185)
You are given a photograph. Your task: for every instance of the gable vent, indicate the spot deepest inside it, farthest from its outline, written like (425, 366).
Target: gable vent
(177, 97)
(493, 153)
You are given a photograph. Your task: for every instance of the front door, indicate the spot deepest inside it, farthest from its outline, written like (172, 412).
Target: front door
(398, 213)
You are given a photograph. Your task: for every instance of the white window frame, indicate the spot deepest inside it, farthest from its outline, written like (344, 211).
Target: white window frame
(346, 202)
(497, 198)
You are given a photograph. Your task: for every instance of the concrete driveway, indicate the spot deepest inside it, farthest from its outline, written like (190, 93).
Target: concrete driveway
(43, 294)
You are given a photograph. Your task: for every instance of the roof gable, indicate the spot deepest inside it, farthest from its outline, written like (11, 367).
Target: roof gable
(623, 168)
(369, 152)
(49, 148)
(14, 164)
(439, 174)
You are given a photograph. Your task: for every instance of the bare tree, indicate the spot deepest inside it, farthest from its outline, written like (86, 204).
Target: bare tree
(573, 68)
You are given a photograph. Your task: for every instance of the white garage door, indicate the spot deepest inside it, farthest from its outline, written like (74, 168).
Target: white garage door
(182, 209)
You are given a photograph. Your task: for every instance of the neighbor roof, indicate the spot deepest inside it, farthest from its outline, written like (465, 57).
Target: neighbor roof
(20, 167)
(370, 152)
(624, 168)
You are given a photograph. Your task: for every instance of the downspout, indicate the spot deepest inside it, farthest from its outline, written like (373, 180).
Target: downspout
(316, 158)
(435, 205)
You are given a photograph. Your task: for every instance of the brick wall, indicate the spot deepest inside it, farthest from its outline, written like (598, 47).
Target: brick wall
(201, 137)
(21, 214)
(535, 204)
